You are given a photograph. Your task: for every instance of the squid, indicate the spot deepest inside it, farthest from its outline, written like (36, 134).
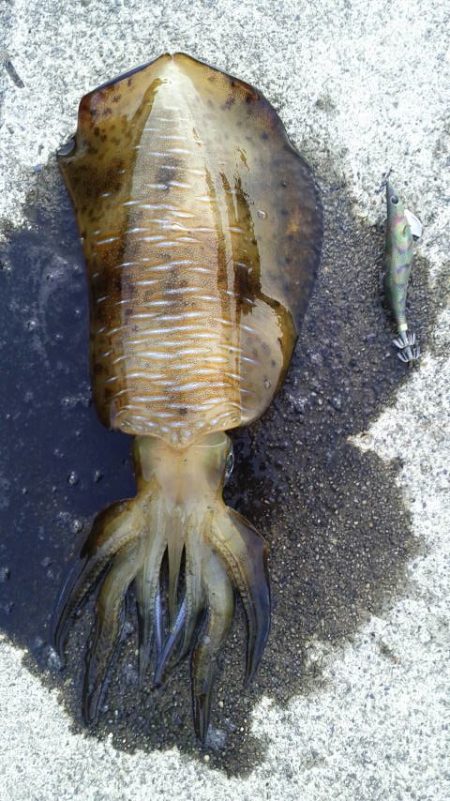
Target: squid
(201, 227)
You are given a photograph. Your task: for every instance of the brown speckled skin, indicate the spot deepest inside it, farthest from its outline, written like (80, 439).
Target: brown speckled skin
(201, 228)
(254, 224)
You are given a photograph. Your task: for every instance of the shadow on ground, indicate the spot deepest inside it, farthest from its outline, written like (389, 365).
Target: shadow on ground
(338, 531)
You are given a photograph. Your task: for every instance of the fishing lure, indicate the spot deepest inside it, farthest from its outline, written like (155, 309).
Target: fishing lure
(201, 228)
(401, 226)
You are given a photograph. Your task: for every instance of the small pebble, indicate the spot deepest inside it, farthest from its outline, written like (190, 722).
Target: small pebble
(52, 658)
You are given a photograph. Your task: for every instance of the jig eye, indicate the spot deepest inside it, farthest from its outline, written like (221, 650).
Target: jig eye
(394, 199)
(229, 465)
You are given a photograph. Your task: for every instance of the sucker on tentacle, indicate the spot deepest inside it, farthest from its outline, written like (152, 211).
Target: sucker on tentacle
(201, 228)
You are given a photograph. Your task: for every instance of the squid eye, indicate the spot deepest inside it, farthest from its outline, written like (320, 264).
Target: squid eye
(67, 148)
(394, 199)
(229, 465)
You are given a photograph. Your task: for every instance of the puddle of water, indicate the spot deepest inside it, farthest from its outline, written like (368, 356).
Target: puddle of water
(338, 531)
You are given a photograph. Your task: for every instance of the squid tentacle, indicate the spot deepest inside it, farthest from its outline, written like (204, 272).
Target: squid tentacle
(194, 593)
(180, 639)
(245, 553)
(108, 630)
(175, 551)
(170, 644)
(148, 596)
(220, 605)
(104, 542)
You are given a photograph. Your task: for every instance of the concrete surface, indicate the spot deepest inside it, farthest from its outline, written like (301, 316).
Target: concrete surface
(361, 88)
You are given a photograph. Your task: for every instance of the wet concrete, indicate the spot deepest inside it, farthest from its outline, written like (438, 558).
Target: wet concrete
(339, 534)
